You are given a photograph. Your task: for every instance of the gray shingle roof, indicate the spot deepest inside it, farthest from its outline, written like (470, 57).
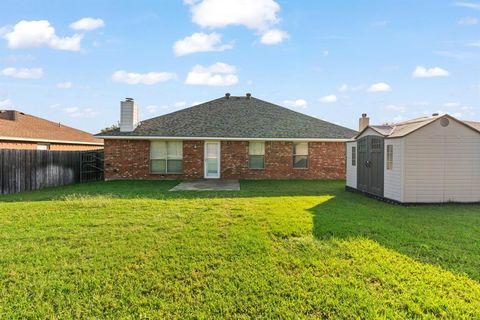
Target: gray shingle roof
(238, 117)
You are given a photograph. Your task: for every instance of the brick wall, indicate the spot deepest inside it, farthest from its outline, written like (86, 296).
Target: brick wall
(129, 159)
(4, 144)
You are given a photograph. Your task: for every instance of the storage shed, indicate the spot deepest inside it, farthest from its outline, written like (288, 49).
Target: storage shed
(425, 160)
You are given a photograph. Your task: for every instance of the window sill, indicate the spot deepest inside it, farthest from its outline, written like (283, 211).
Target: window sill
(300, 168)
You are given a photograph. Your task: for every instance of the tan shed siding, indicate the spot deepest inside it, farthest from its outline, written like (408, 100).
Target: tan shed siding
(393, 182)
(351, 170)
(442, 164)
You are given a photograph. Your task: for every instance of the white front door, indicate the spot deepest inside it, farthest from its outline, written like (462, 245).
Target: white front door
(212, 160)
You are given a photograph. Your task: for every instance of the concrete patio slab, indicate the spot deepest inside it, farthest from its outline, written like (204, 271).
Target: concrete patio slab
(207, 185)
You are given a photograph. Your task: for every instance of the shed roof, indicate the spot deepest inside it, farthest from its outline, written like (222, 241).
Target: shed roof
(236, 117)
(473, 124)
(401, 129)
(16, 125)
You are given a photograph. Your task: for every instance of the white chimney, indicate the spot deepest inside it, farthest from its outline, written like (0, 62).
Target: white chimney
(363, 122)
(128, 115)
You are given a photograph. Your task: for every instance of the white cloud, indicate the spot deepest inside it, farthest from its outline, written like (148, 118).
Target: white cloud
(85, 113)
(422, 72)
(451, 104)
(379, 23)
(152, 109)
(274, 36)
(470, 111)
(397, 119)
(299, 103)
(23, 73)
(328, 99)
(468, 21)
(449, 54)
(75, 112)
(345, 87)
(142, 78)
(259, 15)
(87, 24)
(6, 103)
(420, 103)
(395, 108)
(180, 104)
(200, 42)
(218, 74)
(253, 14)
(469, 5)
(64, 85)
(475, 44)
(33, 34)
(379, 87)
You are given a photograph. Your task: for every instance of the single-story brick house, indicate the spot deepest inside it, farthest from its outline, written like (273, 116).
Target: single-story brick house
(19, 130)
(227, 138)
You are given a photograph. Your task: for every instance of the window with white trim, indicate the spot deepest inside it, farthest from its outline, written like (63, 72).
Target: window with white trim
(166, 156)
(256, 155)
(300, 155)
(354, 156)
(389, 157)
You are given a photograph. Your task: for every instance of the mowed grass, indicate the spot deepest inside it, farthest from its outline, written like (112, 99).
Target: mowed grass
(275, 249)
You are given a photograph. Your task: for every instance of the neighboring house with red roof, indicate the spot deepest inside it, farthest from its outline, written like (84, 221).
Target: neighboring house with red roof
(23, 131)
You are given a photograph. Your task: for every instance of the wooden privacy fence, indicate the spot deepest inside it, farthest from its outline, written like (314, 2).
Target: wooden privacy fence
(25, 170)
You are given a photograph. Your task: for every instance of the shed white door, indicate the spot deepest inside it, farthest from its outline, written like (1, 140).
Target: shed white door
(212, 160)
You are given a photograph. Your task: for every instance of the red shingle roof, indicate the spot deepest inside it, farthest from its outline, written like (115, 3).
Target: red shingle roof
(18, 125)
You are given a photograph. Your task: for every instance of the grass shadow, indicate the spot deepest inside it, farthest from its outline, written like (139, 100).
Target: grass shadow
(443, 235)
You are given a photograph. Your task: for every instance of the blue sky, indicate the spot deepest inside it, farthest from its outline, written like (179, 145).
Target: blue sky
(73, 61)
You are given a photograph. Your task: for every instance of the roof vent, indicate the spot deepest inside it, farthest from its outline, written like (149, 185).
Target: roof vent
(435, 114)
(249, 95)
(227, 95)
(129, 99)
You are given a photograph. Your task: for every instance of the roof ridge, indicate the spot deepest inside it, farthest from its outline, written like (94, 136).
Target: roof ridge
(237, 117)
(415, 120)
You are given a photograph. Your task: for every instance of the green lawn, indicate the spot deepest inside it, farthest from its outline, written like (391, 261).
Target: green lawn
(276, 249)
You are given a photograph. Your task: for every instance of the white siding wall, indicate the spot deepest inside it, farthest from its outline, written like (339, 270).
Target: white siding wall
(442, 164)
(393, 179)
(351, 170)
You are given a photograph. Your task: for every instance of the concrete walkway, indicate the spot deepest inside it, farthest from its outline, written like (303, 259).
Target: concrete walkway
(208, 185)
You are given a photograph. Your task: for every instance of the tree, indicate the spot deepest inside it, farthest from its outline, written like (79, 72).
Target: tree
(113, 127)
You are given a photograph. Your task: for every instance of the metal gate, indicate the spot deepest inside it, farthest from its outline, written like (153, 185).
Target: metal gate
(91, 166)
(370, 167)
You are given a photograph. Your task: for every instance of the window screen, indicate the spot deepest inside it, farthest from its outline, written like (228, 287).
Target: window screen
(354, 156)
(389, 157)
(166, 156)
(300, 155)
(256, 155)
